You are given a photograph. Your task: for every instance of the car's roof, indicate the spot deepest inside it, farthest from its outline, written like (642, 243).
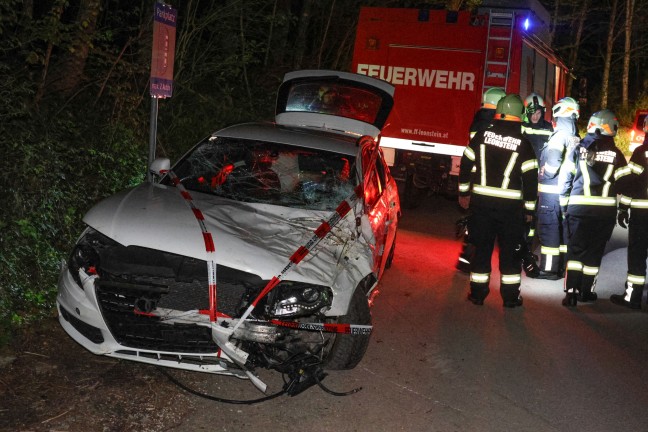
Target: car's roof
(297, 136)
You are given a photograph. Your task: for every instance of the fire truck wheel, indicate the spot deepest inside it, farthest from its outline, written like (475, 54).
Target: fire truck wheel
(348, 349)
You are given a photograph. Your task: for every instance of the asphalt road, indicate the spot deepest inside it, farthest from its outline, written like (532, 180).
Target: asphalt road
(436, 362)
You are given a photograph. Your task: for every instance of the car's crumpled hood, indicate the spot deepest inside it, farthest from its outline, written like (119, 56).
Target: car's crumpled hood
(256, 238)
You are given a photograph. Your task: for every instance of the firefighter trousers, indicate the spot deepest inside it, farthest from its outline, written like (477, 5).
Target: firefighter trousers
(637, 254)
(587, 238)
(485, 226)
(550, 232)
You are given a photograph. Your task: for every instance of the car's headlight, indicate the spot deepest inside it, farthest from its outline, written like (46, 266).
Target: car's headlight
(293, 299)
(83, 257)
(85, 254)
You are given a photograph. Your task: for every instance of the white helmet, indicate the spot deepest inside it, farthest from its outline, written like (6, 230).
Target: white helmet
(566, 107)
(533, 103)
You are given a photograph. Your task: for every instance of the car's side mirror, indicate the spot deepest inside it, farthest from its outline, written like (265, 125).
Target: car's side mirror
(159, 167)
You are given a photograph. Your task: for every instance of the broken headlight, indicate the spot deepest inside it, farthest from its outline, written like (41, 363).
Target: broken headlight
(295, 299)
(85, 254)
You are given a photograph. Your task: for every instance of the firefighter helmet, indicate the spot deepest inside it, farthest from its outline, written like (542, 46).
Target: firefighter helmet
(533, 103)
(510, 108)
(566, 107)
(492, 96)
(324, 90)
(603, 122)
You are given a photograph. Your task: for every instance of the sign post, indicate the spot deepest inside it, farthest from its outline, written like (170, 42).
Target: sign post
(162, 58)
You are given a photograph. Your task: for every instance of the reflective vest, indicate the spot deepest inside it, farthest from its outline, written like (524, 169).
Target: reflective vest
(589, 175)
(499, 168)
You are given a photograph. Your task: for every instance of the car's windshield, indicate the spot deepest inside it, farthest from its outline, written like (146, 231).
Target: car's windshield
(265, 172)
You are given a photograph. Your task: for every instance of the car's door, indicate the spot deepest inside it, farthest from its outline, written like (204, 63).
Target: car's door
(381, 203)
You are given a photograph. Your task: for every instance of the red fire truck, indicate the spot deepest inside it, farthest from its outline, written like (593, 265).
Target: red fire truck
(441, 62)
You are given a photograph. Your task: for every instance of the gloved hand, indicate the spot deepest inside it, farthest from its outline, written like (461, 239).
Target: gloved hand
(622, 218)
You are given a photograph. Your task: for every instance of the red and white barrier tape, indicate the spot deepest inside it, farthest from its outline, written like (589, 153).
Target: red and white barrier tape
(354, 329)
(321, 232)
(209, 245)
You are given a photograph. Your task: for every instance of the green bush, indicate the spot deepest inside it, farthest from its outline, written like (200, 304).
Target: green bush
(54, 171)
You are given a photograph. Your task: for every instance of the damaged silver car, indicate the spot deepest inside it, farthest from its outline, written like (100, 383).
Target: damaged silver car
(261, 248)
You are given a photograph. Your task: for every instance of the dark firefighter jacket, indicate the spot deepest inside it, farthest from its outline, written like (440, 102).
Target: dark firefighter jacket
(481, 120)
(538, 134)
(634, 186)
(588, 177)
(561, 141)
(499, 169)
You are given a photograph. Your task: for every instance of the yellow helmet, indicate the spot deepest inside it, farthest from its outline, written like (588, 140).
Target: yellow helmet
(492, 96)
(510, 108)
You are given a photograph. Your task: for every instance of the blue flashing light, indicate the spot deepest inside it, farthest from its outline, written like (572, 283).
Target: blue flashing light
(527, 24)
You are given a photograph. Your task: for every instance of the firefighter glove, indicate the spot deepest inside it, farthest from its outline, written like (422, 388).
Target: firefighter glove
(622, 218)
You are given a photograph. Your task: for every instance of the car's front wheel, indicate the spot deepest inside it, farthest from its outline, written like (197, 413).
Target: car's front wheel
(348, 349)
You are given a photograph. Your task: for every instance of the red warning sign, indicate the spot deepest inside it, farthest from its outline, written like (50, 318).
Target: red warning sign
(164, 34)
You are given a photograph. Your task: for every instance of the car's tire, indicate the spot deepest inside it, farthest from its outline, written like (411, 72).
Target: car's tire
(348, 349)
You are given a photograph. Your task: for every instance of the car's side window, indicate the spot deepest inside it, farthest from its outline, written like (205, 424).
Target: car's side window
(375, 178)
(380, 166)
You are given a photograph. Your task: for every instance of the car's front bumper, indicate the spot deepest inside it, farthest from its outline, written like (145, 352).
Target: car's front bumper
(81, 318)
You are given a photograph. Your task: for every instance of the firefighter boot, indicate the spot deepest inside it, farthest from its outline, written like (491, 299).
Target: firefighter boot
(548, 275)
(631, 298)
(570, 298)
(478, 292)
(513, 303)
(587, 296)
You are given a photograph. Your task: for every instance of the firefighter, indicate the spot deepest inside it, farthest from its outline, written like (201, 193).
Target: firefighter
(498, 181)
(635, 189)
(481, 120)
(549, 218)
(329, 101)
(537, 130)
(588, 189)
